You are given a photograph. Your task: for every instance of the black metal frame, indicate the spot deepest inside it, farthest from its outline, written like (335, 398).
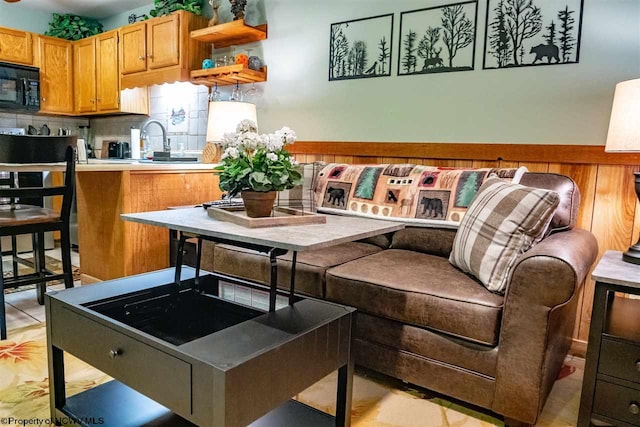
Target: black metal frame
(272, 252)
(28, 149)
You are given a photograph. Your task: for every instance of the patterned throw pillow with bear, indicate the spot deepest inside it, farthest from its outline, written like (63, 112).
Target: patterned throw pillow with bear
(417, 194)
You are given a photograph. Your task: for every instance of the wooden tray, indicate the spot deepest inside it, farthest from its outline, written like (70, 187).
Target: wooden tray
(281, 216)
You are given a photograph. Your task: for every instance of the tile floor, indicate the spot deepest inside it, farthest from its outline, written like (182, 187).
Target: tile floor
(22, 307)
(396, 404)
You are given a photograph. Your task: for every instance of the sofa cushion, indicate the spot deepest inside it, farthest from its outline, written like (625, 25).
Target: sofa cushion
(432, 241)
(428, 196)
(504, 221)
(419, 289)
(310, 266)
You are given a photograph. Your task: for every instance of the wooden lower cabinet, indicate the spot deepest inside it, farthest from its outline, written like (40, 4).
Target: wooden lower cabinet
(111, 248)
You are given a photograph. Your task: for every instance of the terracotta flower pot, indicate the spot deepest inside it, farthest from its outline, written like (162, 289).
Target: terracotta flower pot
(258, 204)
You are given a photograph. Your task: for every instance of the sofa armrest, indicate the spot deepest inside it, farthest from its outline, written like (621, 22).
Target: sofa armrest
(538, 319)
(553, 270)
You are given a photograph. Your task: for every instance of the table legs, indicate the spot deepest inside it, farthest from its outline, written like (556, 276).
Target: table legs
(344, 394)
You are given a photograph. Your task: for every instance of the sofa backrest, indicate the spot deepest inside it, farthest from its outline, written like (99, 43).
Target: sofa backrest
(567, 212)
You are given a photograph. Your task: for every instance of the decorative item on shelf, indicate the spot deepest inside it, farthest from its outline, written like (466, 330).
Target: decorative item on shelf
(222, 117)
(254, 63)
(624, 137)
(243, 59)
(237, 8)
(257, 166)
(207, 63)
(215, 19)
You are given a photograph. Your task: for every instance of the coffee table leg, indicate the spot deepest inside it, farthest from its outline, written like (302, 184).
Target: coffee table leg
(198, 260)
(343, 400)
(55, 358)
(273, 291)
(179, 255)
(292, 285)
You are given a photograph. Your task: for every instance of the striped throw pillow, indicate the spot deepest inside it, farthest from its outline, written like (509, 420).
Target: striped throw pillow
(503, 221)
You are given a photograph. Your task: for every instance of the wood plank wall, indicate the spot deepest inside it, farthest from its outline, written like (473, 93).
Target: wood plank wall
(609, 207)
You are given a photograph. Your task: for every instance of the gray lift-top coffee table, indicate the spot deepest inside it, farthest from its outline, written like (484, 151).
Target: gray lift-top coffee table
(182, 356)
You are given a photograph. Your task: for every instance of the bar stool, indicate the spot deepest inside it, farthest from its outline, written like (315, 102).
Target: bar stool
(41, 154)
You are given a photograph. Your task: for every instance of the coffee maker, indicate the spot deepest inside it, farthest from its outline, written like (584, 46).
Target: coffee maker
(119, 150)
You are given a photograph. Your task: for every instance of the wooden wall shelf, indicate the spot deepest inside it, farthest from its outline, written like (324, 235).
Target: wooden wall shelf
(230, 33)
(229, 75)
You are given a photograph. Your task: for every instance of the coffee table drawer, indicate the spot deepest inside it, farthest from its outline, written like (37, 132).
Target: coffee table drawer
(158, 375)
(620, 360)
(618, 402)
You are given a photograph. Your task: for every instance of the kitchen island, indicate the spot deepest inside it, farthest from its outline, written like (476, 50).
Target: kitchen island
(111, 248)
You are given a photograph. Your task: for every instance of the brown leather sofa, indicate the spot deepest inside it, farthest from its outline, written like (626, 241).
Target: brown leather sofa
(424, 321)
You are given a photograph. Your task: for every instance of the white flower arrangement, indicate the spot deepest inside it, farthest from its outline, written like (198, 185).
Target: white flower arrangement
(257, 162)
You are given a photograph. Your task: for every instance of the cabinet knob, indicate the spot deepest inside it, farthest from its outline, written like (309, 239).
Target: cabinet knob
(44, 99)
(98, 99)
(634, 408)
(149, 56)
(114, 353)
(638, 365)
(92, 100)
(141, 58)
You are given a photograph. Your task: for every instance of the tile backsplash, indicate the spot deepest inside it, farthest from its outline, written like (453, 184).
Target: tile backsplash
(189, 129)
(12, 120)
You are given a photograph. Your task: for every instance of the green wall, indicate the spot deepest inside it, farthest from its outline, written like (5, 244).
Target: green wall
(563, 104)
(19, 17)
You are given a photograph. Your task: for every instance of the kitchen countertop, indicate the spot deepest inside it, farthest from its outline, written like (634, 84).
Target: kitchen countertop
(112, 165)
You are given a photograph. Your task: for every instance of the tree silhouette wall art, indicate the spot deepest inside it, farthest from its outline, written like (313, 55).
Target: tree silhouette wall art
(522, 33)
(361, 48)
(438, 39)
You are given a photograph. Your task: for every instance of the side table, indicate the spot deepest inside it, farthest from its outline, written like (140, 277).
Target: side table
(611, 387)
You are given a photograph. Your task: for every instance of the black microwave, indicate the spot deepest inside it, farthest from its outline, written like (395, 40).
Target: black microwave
(19, 88)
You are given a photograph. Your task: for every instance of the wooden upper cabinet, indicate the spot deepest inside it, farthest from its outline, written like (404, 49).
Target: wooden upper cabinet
(160, 50)
(84, 52)
(56, 75)
(107, 76)
(97, 79)
(16, 46)
(163, 41)
(133, 48)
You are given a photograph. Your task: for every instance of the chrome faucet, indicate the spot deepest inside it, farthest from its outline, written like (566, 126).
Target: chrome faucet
(166, 145)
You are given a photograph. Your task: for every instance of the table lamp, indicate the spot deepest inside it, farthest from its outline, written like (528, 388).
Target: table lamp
(624, 137)
(224, 117)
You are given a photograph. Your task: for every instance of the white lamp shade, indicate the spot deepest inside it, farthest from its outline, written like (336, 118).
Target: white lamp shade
(624, 125)
(224, 117)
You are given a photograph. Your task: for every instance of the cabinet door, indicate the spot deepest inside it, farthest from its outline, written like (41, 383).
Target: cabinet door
(133, 49)
(84, 52)
(163, 39)
(16, 46)
(56, 75)
(108, 79)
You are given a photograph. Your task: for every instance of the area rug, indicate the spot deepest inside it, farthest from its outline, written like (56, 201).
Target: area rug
(378, 401)
(51, 263)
